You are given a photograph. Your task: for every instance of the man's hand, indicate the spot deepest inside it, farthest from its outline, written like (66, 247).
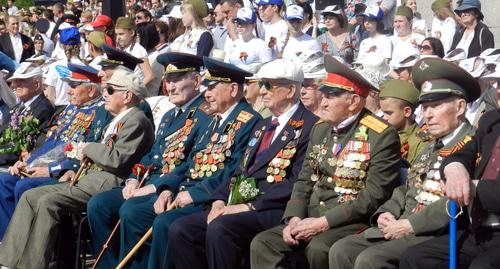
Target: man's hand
(18, 166)
(130, 188)
(162, 202)
(183, 199)
(148, 189)
(79, 150)
(385, 219)
(287, 232)
(457, 183)
(397, 229)
(217, 210)
(309, 227)
(233, 209)
(39, 171)
(67, 176)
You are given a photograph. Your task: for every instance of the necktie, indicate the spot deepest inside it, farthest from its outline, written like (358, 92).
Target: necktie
(268, 137)
(215, 125)
(438, 144)
(178, 113)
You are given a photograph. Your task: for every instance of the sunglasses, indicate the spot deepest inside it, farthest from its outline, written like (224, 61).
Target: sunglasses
(110, 90)
(266, 85)
(424, 47)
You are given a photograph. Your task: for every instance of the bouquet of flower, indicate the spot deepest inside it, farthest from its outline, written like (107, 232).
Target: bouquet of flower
(243, 190)
(20, 135)
(70, 150)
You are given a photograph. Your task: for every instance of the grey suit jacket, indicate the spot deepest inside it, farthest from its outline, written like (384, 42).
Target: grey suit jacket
(131, 142)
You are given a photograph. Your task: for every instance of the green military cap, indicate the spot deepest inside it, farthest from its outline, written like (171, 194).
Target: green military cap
(439, 79)
(440, 4)
(97, 38)
(400, 89)
(124, 23)
(341, 78)
(199, 7)
(405, 11)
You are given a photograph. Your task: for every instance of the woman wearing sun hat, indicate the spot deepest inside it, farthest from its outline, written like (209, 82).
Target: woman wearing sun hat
(474, 37)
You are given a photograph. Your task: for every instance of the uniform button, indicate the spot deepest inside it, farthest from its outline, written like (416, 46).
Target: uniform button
(321, 203)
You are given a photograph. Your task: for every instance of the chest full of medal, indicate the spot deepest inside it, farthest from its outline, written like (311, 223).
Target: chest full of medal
(211, 159)
(174, 152)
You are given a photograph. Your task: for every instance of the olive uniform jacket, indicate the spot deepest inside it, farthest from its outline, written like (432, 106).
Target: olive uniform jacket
(347, 175)
(430, 218)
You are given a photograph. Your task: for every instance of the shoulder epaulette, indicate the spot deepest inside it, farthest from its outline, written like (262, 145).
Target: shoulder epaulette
(205, 107)
(244, 116)
(319, 122)
(373, 123)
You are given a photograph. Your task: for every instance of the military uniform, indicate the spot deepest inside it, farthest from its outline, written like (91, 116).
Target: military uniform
(345, 175)
(72, 126)
(176, 136)
(30, 238)
(421, 200)
(273, 165)
(412, 138)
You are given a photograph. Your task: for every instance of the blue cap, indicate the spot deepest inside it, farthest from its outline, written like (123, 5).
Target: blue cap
(269, 2)
(180, 63)
(245, 15)
(83, 73)
(69, 35)
(374, 13)
(470, 4)
(218, 71)
(118, 57)
(294, 12)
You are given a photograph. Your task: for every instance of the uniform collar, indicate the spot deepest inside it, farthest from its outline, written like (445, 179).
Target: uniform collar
(224, 115)
(346, 122)
(449, 137)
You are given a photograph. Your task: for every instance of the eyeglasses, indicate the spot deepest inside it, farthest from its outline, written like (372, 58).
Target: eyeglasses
(266, 85)
(74, 84)
(110, 90)
(424, 47)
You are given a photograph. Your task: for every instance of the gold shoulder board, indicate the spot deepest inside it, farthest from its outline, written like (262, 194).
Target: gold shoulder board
(244, 116)
(373, 123)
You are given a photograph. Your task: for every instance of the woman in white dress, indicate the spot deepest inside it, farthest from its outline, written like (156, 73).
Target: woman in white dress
(377, 41)
(444, 24)
(197, 39)
(248, 50)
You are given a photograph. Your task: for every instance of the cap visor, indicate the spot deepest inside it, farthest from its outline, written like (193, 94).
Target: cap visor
(327, 89)
(207, 82)
(431, 97)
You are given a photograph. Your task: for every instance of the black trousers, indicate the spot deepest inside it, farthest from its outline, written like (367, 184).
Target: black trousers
(222, 244)
(481, 251)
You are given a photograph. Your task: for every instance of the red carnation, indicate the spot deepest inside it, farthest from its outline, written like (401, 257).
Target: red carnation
(138, 169)
(67, 148)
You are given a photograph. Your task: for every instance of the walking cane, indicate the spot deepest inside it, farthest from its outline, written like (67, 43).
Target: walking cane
(84, 165)
(453, 232)
(143, 179)
(140, 243)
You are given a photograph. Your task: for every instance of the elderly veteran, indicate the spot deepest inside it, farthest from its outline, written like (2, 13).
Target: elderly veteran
(31, 235)
(72, 126)
(214, 158)
(398, 100)
(272, 160)
(417, 210)
(177, 134)
(26, 83)
(472, 180)
(351, 167)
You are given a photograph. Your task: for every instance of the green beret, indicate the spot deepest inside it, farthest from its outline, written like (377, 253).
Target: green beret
(97, 38)
(199, 7)
(400, 89)
(438, 4)
(438, 79)
(125, 23)
(405, 11)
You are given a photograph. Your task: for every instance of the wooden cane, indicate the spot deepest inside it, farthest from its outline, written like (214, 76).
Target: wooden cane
(24, 173)
(140, 243)
(83, 166)
(105, 246)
